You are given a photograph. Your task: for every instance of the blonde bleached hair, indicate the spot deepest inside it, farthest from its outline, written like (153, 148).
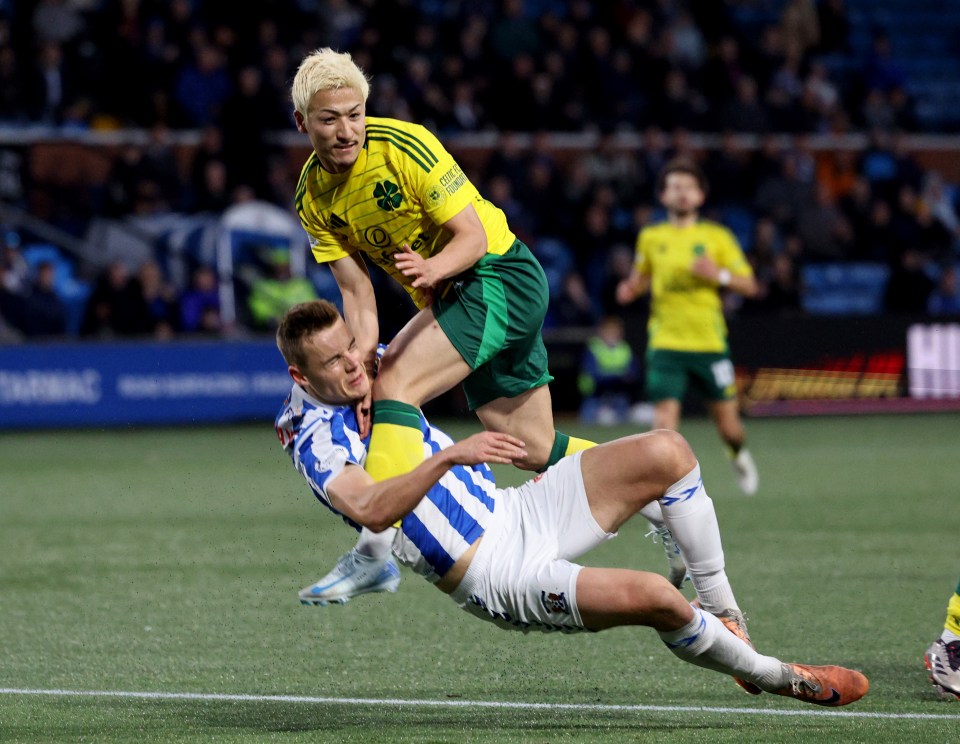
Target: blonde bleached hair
(326, 69)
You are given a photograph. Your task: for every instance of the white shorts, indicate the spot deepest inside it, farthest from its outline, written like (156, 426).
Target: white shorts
(521, 577)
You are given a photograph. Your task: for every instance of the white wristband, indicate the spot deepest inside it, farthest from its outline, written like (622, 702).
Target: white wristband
(723, 277)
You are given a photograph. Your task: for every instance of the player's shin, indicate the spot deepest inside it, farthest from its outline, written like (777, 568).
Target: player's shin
(689, 514)
(396, 441)
(706, 643)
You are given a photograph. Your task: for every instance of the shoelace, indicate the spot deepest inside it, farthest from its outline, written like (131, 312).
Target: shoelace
(803, 686)
(666, 539)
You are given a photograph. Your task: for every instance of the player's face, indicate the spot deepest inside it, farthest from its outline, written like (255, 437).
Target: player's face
(334, 372)
(681, 194)
(336, 125)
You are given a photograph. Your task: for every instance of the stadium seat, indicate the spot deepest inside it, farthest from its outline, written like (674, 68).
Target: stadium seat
(844, 289)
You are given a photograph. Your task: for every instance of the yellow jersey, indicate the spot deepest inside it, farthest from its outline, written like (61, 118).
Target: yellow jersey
(402, 189)
(686, 313)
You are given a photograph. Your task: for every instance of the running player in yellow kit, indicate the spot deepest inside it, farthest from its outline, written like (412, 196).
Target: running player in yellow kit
(686, 262)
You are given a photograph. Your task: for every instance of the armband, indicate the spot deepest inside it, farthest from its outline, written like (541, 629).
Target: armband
(723, 277)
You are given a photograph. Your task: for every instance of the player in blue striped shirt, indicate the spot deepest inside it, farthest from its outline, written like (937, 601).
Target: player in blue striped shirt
(505, 555)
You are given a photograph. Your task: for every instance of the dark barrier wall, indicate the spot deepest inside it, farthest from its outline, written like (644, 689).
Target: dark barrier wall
(148, 383)
(784, 366)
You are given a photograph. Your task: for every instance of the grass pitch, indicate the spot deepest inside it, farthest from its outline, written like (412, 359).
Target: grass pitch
(161, 566)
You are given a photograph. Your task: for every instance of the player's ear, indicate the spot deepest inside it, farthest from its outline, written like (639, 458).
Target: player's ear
(300, 121)
(296, 375)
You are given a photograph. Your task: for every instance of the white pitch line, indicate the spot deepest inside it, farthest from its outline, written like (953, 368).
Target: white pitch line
(213, 696)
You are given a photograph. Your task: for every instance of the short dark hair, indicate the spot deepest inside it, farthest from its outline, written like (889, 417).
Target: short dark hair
(681, 165)
(300, 321)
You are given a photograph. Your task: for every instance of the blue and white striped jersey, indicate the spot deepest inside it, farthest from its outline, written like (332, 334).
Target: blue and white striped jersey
(322, 440)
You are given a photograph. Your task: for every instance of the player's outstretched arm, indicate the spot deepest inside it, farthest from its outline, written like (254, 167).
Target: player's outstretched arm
(377, 505)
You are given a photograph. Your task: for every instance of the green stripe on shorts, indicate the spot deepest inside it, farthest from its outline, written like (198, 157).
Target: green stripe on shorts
(495, 324)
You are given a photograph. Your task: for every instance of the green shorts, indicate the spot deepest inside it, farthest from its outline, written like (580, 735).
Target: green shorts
(493, 315)
(669, 373)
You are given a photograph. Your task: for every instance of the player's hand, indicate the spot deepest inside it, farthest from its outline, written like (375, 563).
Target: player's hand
(625, 293)
(705, 268)
(411, 264)
(487, 446)
(364, 417)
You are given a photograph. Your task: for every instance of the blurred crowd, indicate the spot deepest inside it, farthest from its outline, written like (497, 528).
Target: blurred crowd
(652, 69)
(508, 65)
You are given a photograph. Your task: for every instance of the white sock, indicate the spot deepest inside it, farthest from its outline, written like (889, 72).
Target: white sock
(375, 544)
(948, 636)
(688, 512)
(653, 514)
(706, 643)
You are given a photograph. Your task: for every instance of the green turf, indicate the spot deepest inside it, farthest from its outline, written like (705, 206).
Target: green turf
(168, 561)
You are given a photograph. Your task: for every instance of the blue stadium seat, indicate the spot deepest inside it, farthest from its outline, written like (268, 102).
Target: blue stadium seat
(844, 288)
(741, 221)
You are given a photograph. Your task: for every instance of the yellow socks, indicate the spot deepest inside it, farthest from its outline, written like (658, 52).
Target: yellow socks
(396, 441)
(563, 445)
(953, 613)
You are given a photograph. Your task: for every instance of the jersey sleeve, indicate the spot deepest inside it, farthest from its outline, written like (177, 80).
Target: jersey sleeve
(730, 254)
(444, 190)
(324, 449)
(641, 259)
(325, 246)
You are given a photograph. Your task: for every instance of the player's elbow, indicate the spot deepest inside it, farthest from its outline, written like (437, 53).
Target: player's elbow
(376, 517)
(750, 289)
(379, 523)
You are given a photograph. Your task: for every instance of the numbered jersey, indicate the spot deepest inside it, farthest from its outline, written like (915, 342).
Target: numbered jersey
(323, 440)
(401, 190)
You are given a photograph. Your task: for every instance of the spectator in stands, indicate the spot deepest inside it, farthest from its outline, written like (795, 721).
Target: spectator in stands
(945, 298)
(883, 72)
(14, 285)
(271, 295)
(835, 26)
(214, 195)
(608, 374)
(823, 227)
(111, 303)
(156, 304)
(15, 277)
(57, 20)
(44, 312)
(801, 27)
(248, 114)
(203, 86)
(778, 289)
(744, 113)
(910, 287)
(51, 87)
(12, 103)
(876, 241)
(145, 180)
(200, 303)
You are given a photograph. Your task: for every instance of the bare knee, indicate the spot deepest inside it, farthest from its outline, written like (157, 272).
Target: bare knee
(668, 609)
(668, 454)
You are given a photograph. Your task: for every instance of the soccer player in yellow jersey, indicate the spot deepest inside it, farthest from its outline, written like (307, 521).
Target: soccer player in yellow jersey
(387, 191)
(686, 262)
